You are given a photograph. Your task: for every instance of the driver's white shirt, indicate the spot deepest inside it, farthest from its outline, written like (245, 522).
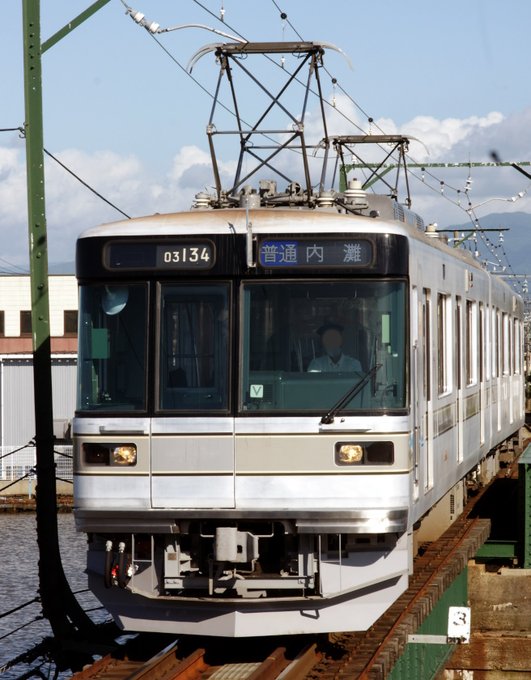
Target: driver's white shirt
(325, 364)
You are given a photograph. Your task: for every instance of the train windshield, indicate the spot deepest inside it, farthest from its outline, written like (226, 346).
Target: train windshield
(112, 347)
(194, 347)
(305, 344)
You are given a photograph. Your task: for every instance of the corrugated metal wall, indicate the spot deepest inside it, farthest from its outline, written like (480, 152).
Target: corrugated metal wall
(16, 384)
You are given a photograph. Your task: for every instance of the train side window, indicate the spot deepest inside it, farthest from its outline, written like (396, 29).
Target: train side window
(517, 341)
(458, 343)
(444, 351)
(471, 348)
(481, 343)
(488, 342)
(2, 324)
(499, 344)
(494, 340)
(505, 344)
(426, 314)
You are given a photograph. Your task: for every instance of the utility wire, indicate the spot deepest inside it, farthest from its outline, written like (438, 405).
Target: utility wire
(40, 649)
(31, 472)
(284, 17)
(16, 609)
(443, 184)
(370, 119)
(203, 88)
(30, 444)
(71, 172)
(96, 193)
(13, 267)
(64, 455)
(24, 625)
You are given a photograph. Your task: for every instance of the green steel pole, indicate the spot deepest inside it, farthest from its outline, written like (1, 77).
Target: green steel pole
(58, 603)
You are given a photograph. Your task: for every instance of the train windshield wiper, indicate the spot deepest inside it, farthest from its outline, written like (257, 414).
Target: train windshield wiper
(328, 418)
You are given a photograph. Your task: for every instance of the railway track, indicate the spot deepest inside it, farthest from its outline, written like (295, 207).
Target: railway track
(202, 664)
(371, 655)
(367, 655)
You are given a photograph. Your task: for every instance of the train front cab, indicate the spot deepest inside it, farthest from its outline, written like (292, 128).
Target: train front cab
(215, 491)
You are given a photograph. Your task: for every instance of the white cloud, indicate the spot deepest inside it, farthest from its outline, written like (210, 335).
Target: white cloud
(438, 137)
(126, 182)
(192, 170)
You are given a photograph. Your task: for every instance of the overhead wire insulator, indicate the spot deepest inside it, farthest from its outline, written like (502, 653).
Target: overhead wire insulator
(283, 18)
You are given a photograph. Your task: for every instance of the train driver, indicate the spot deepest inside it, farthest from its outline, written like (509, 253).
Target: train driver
(333, 359)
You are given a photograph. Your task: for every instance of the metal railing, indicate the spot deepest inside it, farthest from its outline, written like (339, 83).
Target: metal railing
(21, 463)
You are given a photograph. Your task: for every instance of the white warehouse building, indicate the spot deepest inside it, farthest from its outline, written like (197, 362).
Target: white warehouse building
(17, 420)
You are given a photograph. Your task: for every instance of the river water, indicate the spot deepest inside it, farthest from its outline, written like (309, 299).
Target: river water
(19, 582)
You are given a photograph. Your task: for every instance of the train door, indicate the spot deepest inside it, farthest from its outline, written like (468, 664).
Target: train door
(426, 433)
(459, 376)
(192, 434)
(416, 390)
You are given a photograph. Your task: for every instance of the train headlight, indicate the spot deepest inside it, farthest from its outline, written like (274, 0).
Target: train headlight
(124, 455)
(368, 453)
(109, 454)
(349, 454)
(95, 454)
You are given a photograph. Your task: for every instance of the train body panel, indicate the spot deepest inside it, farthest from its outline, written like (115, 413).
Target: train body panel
(236, 475)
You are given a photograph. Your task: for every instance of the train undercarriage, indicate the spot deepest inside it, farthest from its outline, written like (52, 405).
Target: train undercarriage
(249, 571)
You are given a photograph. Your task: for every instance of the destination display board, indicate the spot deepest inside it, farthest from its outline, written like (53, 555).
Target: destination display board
(226, 254)
(183, 255)
(315, 253)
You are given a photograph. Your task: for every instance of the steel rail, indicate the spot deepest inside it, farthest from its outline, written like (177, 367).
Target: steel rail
(436, 565)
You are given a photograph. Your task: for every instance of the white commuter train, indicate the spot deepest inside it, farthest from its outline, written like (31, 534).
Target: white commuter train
(231, 481)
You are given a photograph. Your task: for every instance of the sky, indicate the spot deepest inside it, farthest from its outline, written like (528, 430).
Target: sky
(121, 112)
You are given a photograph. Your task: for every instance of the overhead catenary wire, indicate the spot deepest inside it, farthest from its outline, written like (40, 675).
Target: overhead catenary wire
(442, 183)
(195, 80)
(370, 119)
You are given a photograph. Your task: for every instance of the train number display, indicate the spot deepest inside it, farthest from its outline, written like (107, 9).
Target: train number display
(182, 255)
(185, 256)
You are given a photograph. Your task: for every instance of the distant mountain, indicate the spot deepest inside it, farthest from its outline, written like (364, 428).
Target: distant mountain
(516, 241)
